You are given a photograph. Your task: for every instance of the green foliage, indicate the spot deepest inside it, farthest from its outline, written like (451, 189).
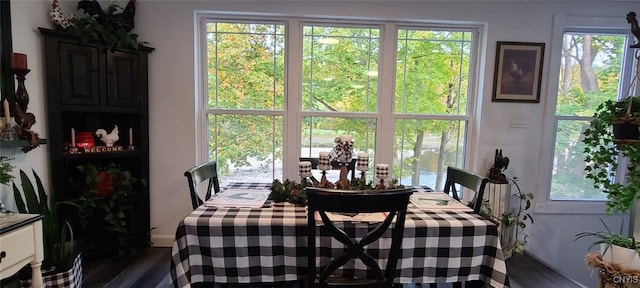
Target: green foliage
(57, 235)
(602, 154)
(289, 191)
(124, 184)
(246, 66)
(5, 170)
(610, 238)
(102, 30)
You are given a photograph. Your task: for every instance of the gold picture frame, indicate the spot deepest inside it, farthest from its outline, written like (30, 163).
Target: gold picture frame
(518, 72)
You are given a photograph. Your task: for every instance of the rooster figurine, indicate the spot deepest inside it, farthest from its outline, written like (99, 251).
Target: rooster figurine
(58, 18)
(631, 19)
(110, 138)
(123, 19)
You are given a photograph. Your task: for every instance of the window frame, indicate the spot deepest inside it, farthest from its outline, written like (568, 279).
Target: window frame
(571, 24)
(384, 115)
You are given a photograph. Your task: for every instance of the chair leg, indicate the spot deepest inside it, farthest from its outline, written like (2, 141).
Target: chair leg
(457, 285)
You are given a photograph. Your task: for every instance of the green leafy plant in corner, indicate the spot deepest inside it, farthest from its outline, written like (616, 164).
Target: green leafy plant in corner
(58, 239)
(610, 238)
(602, 154)
(102, 30)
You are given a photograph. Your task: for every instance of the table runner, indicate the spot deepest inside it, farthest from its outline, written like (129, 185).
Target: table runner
(254, 245)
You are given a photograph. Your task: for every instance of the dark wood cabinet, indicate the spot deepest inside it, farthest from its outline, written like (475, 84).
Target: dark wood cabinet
(81, 82)
(91, 87)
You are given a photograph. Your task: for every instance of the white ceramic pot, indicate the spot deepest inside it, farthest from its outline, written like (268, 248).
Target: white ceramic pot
(626, 257)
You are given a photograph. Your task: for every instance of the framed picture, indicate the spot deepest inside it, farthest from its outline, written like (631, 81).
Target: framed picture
(518, 72)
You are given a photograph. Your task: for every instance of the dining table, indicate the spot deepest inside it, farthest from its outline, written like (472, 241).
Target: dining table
(268, 244)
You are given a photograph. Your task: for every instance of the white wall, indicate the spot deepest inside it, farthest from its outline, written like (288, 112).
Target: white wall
(168, 26)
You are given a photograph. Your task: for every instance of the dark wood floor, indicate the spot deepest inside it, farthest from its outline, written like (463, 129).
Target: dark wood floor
(151, 269)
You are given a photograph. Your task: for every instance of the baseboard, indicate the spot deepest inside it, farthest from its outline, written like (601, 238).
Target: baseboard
(162, 240)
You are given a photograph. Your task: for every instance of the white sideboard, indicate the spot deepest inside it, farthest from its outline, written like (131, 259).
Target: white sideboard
(21, 244)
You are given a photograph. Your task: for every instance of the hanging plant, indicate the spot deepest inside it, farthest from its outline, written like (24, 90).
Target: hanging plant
(602, 152)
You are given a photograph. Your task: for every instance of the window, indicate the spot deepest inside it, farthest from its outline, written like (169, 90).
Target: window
(279, 89)
(590, 72)
(594, 65)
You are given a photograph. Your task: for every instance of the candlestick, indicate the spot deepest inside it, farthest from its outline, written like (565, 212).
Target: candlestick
(324, 162)
(22, 97)
(19, 61)
(73, 137)
(130, 136)
(382, 171)
(7, 115)
(363, 161)
(305, 169)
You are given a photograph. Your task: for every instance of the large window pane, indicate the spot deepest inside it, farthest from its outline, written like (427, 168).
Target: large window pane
(432, 72)
(568, 180)
(424, 150)
(340, 69)
(319, 134)
(248, 148)
(590, 73)
(245, 64)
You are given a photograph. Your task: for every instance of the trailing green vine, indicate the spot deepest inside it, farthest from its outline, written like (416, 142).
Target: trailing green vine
(602, 154)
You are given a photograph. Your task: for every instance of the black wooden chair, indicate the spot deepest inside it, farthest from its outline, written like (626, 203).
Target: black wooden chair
(470, 182)
(320, 200)
(198, 174)
(351, 166)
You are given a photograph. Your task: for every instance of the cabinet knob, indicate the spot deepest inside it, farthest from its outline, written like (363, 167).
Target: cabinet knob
(2, 255)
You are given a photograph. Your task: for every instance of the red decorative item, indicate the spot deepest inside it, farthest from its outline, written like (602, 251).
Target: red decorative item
(104, 184)
(19, 61)
(85, 140)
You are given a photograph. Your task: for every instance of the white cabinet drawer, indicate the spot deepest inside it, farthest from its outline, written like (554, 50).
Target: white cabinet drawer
(19, 250)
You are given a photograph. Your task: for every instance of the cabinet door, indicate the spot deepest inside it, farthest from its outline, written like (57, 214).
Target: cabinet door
(79, 74)
(123, 79)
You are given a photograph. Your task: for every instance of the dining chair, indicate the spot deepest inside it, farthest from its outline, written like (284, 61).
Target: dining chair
(351, 166)
(322, 201)
(198, 174)
(469, 180)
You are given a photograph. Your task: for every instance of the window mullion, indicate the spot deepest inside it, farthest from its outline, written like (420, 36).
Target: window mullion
(386, 74)
(293, 94)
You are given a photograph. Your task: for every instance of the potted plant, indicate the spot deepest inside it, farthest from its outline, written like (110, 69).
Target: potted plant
(62, 260)
(615, 247)
(111, 26)
(105, 187)
(5, 170)
(602, 151)
(513, 235)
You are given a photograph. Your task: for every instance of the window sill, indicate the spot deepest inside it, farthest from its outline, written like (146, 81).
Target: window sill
(571, 207)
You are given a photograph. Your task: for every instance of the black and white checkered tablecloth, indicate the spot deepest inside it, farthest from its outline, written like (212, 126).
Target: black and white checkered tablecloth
(253, 245)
